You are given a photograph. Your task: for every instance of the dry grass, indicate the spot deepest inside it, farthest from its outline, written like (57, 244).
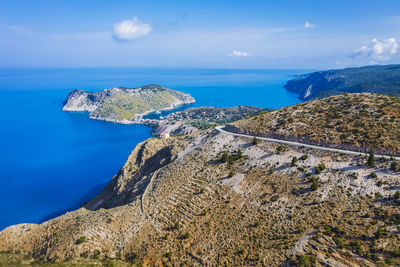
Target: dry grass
(366, 121)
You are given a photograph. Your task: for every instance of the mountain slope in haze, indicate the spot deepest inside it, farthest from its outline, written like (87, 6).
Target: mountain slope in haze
(370, 79)
(210, 198)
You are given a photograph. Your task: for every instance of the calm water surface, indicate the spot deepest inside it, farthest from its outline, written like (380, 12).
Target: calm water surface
(52, 161)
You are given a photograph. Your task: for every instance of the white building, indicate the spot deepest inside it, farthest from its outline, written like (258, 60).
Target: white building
(164, 135)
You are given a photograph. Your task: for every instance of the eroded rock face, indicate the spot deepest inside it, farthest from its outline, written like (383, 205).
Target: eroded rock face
(175, 197)
(124, 105)
(382, 79)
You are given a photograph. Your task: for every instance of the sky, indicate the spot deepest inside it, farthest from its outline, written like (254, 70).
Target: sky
(265, 34)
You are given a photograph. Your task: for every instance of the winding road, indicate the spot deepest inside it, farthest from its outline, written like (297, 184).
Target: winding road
(291, 143)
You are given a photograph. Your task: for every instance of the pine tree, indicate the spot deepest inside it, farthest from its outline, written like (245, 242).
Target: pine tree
(255, 140)
(371, 159)
(294, 161)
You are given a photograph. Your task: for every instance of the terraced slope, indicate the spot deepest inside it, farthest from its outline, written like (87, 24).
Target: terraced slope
(180, 201)
(209, 198)
(358, 122)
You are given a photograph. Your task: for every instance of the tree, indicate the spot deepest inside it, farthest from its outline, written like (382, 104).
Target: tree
(322, 166)
(371, 159)
(240, 153)
(397, 195)
(314, 184)
(81, 240)
(255, 140)
(224, 157)
(294, 161)
(393, 166)
(306, 260)
(177, 226)
(304, 157)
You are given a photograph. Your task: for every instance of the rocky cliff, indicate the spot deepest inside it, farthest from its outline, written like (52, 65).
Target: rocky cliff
(371, 79)
(209, 198)
(123, 105)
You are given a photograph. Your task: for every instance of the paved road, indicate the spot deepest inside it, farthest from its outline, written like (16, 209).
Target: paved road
(220, 128)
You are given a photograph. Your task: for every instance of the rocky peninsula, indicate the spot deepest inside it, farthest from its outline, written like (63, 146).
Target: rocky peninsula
(210, 198)
(125, 105)
(129, 106)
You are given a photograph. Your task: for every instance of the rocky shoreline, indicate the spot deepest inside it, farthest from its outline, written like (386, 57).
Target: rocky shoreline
(125, 105)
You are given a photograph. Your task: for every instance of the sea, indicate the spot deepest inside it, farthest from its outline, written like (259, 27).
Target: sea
(53, 161)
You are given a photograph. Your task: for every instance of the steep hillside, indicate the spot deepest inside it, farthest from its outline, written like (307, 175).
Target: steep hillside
(213, 199)
(193, 119)
(371, 79)
(214, 114)
(358, 122)
(177, 201)
(123, 105)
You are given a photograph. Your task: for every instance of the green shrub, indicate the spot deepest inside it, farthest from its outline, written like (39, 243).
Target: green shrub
(168, 255)
(393, 166)
(322, 166)
(373, 175)
(306, 260)
(304, 157)
(177, 226)
(371, 159)
(294, 161)
(224, 157)
(96, 254)
(130, 257)
(314, 184)
(255, 140)
(381, 232)
(81, 240)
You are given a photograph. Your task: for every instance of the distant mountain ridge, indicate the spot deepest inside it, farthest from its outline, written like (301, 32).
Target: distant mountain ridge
(125, 105)
(384, 79)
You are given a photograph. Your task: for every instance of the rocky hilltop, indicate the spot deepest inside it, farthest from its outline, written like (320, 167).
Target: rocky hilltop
(124, 105)
(359, 122)
(370, 79)
(210, 198)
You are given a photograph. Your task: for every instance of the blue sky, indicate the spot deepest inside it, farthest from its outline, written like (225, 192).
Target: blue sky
(209, 33)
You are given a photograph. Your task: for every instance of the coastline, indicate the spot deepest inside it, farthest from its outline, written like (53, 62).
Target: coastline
(139, 120)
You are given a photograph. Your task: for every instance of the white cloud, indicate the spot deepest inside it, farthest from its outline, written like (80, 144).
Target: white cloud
(308, 25)
(378, 50)
(236, 53)
(131, 29)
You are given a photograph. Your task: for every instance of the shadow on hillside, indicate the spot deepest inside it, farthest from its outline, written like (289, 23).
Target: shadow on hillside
(89, 195)
(247, 145)
(350, 168)
(136, 183)
(388, 201)
(267, 155)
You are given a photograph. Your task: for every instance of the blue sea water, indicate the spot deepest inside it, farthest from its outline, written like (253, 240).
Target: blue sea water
(52, 161)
